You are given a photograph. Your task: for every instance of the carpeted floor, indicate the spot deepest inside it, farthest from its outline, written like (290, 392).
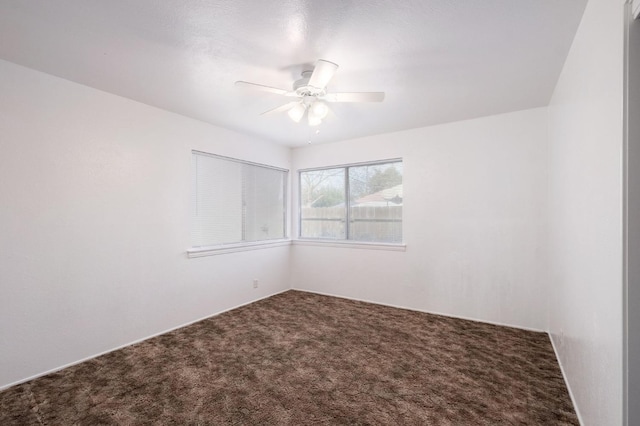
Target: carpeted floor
(298, 358)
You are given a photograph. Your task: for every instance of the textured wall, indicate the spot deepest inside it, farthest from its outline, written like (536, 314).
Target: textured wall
(95, 223)
(585, 214)
(475, 194)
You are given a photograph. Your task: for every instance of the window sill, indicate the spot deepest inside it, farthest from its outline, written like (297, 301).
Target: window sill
(233, 248)
(351, 244)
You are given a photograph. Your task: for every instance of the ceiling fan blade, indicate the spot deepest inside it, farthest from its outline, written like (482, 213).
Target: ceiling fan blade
(264, 88)
(281, 108)
(322, 74)
(354, 97)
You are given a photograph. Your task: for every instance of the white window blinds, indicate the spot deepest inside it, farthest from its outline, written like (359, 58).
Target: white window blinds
(235, 201)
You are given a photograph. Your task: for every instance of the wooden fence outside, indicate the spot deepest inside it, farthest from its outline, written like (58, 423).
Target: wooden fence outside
(367, 223)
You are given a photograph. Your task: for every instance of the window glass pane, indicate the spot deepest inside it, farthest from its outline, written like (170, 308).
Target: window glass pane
(375, 199)
(322, 204)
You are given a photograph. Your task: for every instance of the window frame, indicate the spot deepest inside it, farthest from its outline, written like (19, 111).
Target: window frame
(346, 242)
(231, 247)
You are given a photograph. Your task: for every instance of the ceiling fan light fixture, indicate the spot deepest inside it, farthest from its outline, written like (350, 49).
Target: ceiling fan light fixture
(313, 119)
(319, 109)
(297, 112)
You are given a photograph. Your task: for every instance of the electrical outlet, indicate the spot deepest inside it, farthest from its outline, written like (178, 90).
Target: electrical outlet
(255, 283)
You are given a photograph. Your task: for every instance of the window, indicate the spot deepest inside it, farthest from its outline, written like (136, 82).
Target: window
(235, 201)
(360, 202)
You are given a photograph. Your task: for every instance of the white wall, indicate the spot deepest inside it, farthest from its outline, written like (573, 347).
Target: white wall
(585, 212)
(94, 224)
(473, 222)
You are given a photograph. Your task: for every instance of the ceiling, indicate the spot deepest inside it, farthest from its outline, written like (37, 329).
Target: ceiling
(437, 60)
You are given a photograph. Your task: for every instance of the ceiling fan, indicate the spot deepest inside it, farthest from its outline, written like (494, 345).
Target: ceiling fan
(310, 93)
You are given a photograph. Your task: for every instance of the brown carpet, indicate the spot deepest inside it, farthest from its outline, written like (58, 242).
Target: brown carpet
(298, 358)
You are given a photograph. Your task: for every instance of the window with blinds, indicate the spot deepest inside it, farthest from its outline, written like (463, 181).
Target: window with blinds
(234, 201)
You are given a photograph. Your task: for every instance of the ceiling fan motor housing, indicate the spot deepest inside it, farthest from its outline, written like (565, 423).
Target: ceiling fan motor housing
(302, 88)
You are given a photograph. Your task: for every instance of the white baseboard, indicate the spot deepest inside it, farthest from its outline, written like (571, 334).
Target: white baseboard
(53, 370)
(564, 376)
(422, 310)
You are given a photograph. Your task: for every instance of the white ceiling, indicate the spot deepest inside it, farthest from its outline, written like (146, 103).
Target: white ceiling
(437, 60)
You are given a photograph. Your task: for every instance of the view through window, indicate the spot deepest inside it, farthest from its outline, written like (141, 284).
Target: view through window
(359, 202)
